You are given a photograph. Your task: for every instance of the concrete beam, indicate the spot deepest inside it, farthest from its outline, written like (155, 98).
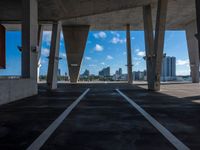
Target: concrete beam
(129, 55)
(99, 14)
(29, 39)
(2, 47)
(75, 40)
(193, 50)
(54, 56)
(62, 9)
(154, 48)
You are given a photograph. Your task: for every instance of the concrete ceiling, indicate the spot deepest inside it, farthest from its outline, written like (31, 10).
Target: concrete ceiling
(100, 14)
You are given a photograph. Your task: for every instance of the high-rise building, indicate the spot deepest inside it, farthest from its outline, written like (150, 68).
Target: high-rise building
(105, 72)
(59, 72)
(120, 71)
(118, 74)
(168, 69)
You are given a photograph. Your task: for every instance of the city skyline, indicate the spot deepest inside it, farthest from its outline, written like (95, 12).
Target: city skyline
(104, 48)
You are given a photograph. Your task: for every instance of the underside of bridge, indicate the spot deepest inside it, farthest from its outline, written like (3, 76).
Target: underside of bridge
(75, 18)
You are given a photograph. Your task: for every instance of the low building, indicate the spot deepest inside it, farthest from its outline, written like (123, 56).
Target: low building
(86, 73)
(139, 75)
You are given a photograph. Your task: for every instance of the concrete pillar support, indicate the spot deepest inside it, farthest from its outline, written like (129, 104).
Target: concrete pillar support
(54, 56)
(198, 23)
(40, 35)
(75, 40)
(2, 47)
(154, 46)
(29, 39)
(149, 46)
(193, 50)
(129, 55)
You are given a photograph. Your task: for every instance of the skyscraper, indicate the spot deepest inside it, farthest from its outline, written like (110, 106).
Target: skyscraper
(105, 72)
(168, 68)
(59, 72)
(120, 71)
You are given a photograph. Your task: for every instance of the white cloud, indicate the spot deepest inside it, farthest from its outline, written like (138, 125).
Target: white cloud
(47, 36)
(137, 63)
(89, 42)
(183, 67)
(137, 50)
(92, 65)
(116, 40)
(185, 71)
(108, 57)
(88, 58)
(141, 53)
(98, 48)
(115, 33)
(182, 62)
(61, 38)
(133, 38)
(62, 55)
(124, 53)
(101, 35)
(137, 58)
(103, 63)
(43, 62)
(45, 52)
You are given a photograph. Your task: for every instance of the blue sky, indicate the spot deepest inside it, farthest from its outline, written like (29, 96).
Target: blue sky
(103, 48)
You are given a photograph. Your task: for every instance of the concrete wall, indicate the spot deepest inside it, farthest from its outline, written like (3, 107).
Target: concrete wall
(15, 89)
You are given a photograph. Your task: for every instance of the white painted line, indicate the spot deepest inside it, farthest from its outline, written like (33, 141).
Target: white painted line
(166, 133)
(39, 142)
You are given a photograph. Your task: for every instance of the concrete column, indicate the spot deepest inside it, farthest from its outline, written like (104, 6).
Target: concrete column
(129, 55)
(40, 35)
(198, 23)
(159, 39)
(2, 47)
(75, 41)
(193, 50)
(54, 56)
(149, 46)
(29, 39)
(155, 49)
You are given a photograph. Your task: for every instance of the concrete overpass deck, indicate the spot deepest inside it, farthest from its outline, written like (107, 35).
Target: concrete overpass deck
(100, 15)
(103, 119)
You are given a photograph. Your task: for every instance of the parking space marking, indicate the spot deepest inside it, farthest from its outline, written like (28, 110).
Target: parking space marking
(39, 142)
(166, 133)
